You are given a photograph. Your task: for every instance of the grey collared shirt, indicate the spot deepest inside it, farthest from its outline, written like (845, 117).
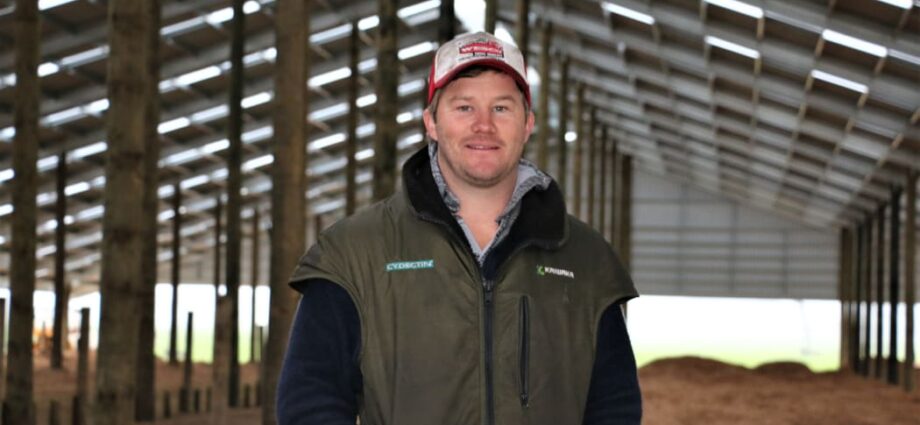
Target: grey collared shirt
(528, 178)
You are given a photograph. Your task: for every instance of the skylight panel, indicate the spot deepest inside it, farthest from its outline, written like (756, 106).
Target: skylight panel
(47, 163)
(88, 150)
(76, 188)
(416, 50)
(256, 99)
(903, 4)
(194, 181)
(48, 4)
(217, 146)
(97, 106)
(196, 76)
(179, 27)
(260, 133)
(840, 81)
(330, 34)
(48, 68)
(258, 162)
(220, 16)
(740, 7)
(365, 100)
(328, 77)
(417, 8)
(364, 154)
(368, 23)
(6, 174)
(173, 125)
(212, 113)
(62, 117)
(85, 56)
(325, 142)
(6, 209)
(855, 43)
(628, 13)
(733, 47)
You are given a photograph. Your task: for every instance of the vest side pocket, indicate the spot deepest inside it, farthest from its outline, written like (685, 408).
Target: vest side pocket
(524, 350)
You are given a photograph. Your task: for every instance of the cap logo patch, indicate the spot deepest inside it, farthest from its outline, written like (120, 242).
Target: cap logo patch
(483, 48)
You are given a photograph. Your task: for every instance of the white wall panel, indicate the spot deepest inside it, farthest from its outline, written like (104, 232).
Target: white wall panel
(690, 242)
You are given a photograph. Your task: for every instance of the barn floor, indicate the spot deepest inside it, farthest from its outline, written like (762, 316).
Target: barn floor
(684, 390)
(692, 390)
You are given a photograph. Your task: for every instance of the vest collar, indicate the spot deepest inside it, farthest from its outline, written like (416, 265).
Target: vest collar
(542, 220)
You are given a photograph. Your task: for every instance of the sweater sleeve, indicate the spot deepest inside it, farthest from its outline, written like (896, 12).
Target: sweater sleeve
(321, 380)
(614, 396)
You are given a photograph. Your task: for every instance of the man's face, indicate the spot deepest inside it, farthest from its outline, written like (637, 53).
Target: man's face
(481, 129)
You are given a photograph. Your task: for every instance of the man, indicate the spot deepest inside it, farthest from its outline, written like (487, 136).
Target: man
(470, 297)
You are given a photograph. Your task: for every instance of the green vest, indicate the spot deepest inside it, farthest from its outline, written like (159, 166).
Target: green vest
(445, 341)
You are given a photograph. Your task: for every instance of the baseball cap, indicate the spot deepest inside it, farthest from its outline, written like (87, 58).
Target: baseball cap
(479, 48)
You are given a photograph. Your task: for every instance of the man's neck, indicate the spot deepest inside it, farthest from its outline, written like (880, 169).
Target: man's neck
(480, 207)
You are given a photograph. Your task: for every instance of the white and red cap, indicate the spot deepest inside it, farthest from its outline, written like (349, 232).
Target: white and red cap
(480, 48)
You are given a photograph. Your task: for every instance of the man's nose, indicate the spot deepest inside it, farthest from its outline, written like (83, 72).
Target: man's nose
(483, 121)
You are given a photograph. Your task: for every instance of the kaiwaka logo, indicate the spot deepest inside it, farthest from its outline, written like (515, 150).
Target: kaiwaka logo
(410, 265)
(544, 270)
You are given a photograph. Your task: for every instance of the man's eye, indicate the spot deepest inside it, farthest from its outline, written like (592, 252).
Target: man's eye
(501, 108)
(464, 108)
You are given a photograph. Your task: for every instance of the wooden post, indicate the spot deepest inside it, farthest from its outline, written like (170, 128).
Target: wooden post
(288, 196)
(592, 171)
(446, 22)
(562, 156)
(856, 305)
(843, 266)
(19, 392)
(220, 366)
(167, 405)
(866, 284)
(577, 175)
(54, 413)
(879, 288)
(522, 28)
(234, 201)
(186, 390)
(491, 16)
(543, 107)
(351, 143)
(387, 101)
(122, 234)
(615, 200)
(602, 207)
(60, 234)
(2, 351)
(176, 265)
(82, 398)
(867, 324)
(626, 213)
(256, 242)
(910, 270)
(145, 397)
(894, 239)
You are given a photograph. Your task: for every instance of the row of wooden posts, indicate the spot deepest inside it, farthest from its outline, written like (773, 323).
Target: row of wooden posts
(863, 260)
(189, 397)
(129, 246)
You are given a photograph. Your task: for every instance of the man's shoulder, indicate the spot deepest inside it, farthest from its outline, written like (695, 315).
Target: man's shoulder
(581, 233)
(371, 218)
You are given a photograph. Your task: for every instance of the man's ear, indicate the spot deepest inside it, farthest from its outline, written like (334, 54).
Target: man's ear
(430, 125)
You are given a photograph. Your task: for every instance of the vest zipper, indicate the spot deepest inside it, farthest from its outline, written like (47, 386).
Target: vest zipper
(525, 351)
(487, 298)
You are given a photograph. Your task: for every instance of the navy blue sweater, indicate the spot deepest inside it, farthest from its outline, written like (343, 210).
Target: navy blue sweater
(321, 382)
